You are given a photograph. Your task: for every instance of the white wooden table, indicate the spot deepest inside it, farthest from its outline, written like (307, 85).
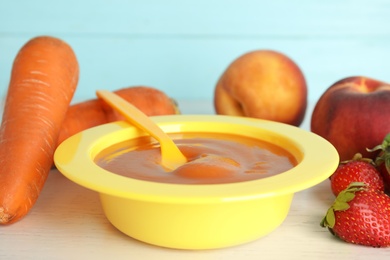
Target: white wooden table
(67, 222)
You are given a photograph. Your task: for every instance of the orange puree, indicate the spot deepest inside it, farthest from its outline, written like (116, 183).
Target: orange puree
(211, 158)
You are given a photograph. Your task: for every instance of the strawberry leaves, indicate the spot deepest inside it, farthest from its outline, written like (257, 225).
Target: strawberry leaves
(341, 203)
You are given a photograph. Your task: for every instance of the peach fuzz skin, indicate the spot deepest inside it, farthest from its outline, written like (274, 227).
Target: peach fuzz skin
(262, 84)
(352, 114)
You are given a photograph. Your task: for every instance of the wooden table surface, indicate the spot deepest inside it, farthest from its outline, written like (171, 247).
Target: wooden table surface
(67, 222)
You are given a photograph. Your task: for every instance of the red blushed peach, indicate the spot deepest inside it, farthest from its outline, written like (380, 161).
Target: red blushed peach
(353, 114)
(262, 84)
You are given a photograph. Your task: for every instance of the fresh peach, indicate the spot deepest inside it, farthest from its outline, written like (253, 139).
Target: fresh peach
(353, 114)
(262, 84)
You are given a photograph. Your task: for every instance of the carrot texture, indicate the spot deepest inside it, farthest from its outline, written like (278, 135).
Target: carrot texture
(94, 112)
(43, 80)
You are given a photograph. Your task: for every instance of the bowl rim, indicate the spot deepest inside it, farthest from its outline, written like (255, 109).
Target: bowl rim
(317, 160)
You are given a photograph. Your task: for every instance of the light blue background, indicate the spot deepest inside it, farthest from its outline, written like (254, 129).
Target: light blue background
(182, 47)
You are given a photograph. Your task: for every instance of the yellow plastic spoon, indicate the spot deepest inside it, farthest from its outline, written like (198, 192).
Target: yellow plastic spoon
(171, 156)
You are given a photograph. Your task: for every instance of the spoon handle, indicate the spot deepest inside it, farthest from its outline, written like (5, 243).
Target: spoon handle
(171, 156)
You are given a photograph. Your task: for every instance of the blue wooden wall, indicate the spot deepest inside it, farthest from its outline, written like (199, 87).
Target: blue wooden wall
(182, 47)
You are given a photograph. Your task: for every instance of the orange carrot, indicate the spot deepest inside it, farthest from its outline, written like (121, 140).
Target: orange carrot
(95, 112)
(43, 80)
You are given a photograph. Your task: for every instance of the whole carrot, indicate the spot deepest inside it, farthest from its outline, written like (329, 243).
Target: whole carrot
(95, 112)
(43, 80)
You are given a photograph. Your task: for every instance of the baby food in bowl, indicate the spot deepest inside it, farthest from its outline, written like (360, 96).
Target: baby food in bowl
(197, 208)
(212, 158)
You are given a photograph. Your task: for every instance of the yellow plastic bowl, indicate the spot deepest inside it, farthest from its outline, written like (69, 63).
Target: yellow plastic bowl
(197, 216)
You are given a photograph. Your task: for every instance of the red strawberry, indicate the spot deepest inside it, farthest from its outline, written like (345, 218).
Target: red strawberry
(383, 160)
(360, 216)
(356, 170)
